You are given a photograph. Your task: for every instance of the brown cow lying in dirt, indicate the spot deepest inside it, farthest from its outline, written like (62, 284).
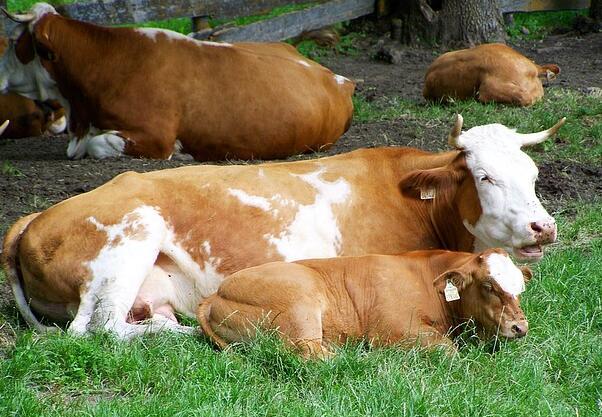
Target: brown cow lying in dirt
(418, 297)
(151, 92)
(28, 117)
(490, 72)
(31, 118)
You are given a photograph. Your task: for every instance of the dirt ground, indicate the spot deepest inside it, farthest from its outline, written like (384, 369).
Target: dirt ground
(34, 172)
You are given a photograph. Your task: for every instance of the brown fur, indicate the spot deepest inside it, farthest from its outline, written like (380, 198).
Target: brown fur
(250, 100)
(384, 299)
(489, 72)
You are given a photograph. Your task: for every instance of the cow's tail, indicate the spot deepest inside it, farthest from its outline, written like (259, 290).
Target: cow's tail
(11, 266)
(203, 318)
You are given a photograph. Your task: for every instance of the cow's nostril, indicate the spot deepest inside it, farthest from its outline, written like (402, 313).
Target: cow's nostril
(518, 330)
(536, 227)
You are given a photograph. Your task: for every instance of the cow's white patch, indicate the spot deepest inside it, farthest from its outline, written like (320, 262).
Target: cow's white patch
(506, 274)
(251, 200)
(314, 231)
(305, 64)
(171, 35)
(58, 126)
(340, 79)
(39, 10)
(192, 283)
(119, 270)
(505, 181)
(97, 144)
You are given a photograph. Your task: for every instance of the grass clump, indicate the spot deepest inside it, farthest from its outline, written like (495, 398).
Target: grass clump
(580, 138)
(540, 24)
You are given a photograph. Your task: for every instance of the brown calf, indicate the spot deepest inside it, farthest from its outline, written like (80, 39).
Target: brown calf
(489, 72)
(382, 298)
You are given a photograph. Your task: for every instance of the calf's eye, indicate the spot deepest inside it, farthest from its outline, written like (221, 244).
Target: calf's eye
(487, 285)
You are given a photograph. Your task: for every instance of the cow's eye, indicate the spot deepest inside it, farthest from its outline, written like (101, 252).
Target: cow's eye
(485, 178)
(487, 285)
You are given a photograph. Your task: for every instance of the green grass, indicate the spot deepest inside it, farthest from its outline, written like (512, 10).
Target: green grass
(540, 24)
(580, 138)
(554, 371)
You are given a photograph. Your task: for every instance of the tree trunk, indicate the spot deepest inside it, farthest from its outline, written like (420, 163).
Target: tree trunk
(453, 23)
(595, 10)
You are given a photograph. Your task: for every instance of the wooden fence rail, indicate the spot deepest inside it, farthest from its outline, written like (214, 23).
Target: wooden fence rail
(114, 12)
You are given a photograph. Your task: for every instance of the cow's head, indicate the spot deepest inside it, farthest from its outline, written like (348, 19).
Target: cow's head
(489, 286)
(493, 183)
(24, 66)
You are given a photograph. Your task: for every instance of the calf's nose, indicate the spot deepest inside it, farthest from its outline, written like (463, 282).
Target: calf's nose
(544, 231)
(520, 328)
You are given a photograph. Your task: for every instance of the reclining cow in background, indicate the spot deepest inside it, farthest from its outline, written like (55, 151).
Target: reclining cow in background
(145, 245)
(31, 118)
(386, 299)
(490, 72)
(27, 117)
(139, 92)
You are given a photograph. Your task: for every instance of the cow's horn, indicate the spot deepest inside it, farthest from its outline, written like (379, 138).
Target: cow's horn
(454, 136)
(527, 139)
(3, 127)
(19, 18)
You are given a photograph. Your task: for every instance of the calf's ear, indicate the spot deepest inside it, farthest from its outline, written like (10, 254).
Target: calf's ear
(460, 279)
(527, 273)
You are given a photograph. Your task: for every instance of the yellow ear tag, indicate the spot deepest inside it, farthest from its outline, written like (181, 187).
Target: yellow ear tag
(451, 292)
(427, 194)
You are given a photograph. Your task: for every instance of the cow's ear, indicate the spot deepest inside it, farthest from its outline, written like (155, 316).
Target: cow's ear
(459, 278)
(42, 43)
(24, 48)
(527, 273)
(427, 183)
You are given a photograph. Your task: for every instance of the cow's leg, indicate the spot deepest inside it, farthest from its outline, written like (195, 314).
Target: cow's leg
(118, 272)
(508, 92)
(97, 145)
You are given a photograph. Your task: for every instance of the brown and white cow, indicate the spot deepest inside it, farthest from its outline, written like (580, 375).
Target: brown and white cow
(27, 117)
(146, 92)
(30, 118)
(145, 245)
(489, 72)
(417, 297)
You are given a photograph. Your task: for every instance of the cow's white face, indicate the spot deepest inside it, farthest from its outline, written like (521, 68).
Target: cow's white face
(512, 216)
(23, 72)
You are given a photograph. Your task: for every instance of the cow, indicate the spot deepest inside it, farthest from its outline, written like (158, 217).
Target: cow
(130, 253)
(28, 117)
(149, 92)
(420, 297)
(490, 73)
(31, 118)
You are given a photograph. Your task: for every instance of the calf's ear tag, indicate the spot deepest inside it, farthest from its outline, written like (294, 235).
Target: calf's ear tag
(451, 292)
(427, 194)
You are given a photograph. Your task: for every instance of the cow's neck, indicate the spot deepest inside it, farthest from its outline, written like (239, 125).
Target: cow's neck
(448, 315)
(80, 78)
(443, 225)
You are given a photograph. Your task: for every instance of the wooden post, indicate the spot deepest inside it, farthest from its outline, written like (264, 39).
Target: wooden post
(200, 23)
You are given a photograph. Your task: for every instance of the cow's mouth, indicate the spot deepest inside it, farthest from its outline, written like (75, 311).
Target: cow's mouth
(531, 252)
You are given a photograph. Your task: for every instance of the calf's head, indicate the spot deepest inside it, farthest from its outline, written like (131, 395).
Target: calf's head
(489, 286)
(25, 67)
(491, 184)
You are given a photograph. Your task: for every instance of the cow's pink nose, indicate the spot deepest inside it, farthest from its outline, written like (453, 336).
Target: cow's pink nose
(544, 231)
(520, 328)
